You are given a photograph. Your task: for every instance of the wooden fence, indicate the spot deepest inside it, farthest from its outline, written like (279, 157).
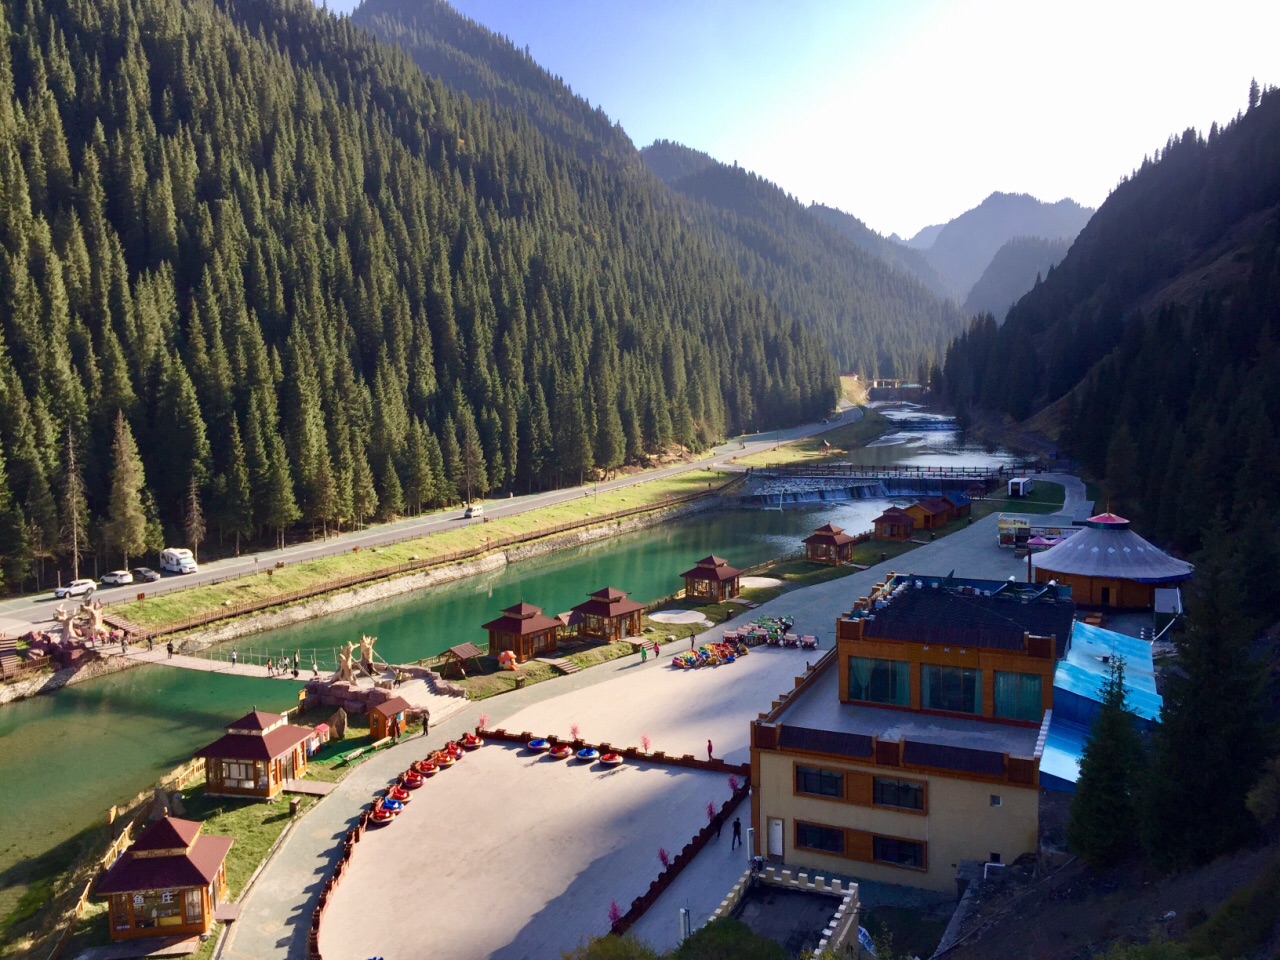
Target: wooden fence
(414, 566)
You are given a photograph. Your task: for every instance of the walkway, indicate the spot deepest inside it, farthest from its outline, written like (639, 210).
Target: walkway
(617, 701)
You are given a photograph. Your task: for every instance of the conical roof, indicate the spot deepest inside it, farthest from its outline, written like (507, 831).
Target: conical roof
(1107, 547)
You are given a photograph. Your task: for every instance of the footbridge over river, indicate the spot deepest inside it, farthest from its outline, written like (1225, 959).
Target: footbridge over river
(809, 483)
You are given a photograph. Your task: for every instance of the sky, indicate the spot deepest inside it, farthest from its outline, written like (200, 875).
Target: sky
(905, 113)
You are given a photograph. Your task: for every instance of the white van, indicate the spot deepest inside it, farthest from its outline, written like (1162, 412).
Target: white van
(474, 510)
(177, 560)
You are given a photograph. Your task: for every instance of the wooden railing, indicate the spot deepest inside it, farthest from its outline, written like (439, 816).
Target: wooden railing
(862, 471)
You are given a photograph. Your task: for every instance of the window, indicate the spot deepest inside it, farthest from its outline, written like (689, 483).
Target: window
(1017, 696)
(194, 906)
(956, 689)
(995, 799)
(822, 783)
(232, 770)
(814, 837)
(907, 794)
(880, 681)
(900, 853)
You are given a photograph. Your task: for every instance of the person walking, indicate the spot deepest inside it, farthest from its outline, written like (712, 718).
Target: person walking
(719, 824)
(295, 661)
(270, 664)
(149, 643)
(691, 641)
(709, 757)
(657, 650)
(644, 654)
(169, 646)
(737, 833)
(426, 721)
(234, 658)
(124, 646)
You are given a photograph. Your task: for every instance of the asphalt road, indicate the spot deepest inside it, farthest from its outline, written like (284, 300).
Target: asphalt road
(22, 614)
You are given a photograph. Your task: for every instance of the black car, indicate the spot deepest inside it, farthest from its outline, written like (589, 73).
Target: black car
(145, 575)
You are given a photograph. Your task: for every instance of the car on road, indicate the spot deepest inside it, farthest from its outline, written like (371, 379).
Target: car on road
(117, 578)
(76, 588)
(475, 510)
(145, 575)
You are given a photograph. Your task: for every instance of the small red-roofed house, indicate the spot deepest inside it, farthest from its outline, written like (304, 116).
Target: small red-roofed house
(255, 757)
(712, 579)
(167, 884)
(608, 616)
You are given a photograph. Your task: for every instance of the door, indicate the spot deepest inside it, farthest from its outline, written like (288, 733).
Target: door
(775, 838)
(1106, 596)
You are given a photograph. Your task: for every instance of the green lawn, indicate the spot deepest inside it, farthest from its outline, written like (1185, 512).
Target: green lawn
(1046, 497)
(170, 608)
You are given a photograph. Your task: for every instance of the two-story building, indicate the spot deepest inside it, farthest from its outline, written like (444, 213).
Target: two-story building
(915, 743)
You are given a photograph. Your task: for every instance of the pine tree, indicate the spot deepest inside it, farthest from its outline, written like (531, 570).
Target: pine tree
(473, 480)
(126, 527)
(1103, 823)
(237, 504)
(75, 509)
(1211, 742)
(193, 518)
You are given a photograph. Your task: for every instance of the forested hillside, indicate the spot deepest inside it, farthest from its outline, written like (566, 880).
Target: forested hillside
(1017, 267)
(963, 247)
(877, 320)
(257, 271)
(898, 256)
(1159, 329)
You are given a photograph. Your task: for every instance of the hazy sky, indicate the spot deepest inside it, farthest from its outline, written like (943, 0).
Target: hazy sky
(905, 113)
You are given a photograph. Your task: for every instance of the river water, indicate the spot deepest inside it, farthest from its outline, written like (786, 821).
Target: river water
(106, 739)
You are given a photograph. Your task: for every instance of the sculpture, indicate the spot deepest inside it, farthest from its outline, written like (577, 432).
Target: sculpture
(90, 616)
(344, 673)
(366, 652)
(66, 623)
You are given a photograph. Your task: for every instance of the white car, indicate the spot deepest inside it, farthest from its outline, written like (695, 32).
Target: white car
(117, 578)
(475, 510)
(75, 588)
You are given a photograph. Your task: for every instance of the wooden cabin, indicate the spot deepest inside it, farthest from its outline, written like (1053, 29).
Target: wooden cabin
(712, 579)
(167, 884)
(894, 524)
(387, 719)
(255, 757)
(829, 544)
(930, 513)
(961, 505)
(608, 616)
(524, 630)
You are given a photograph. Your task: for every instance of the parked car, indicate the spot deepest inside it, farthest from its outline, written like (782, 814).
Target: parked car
(145, 575)
(475, 510)
(76, 588)
(117, 578)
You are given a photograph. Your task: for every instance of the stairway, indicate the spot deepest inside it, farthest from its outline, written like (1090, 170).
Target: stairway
(560, 663)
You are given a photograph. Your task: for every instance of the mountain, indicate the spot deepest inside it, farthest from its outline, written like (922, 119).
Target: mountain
(923, 238)
(1016, 268)
(670, 161)
(259, 272)
(1153, 344)
(897, 256)
(875, 319)
(962, 248)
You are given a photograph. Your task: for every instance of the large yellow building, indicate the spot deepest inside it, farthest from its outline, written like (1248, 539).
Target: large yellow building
(915, 744)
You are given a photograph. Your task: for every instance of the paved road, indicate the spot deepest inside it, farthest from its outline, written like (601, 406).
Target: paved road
(610, 701)
(21, 614)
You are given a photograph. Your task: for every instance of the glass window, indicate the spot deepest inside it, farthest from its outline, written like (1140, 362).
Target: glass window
(907, 794)
(880, 681)
(900, 853)
(957, 689)
(1017, 696)
(823, 783)
(815, 837)
(194, 906)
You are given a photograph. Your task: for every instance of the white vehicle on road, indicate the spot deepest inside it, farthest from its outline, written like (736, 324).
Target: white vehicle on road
(75, 588)
(117, 578)
(177, 560)
(474, 510)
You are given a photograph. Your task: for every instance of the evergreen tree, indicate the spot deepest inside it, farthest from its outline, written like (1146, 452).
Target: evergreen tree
(472, 479)
(1211, 742)
(193, 518)
(75, 509)
(126, 527)
(237, 502)
(1103, 825)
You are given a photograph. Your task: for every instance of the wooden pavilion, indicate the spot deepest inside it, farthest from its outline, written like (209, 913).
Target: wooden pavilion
(829, 544)
(524, 630)
(459, 654)
(167, 884)
(930, 513)
(255, 757)
(608, 616)
(894, 524)
(712, 579)
(387, 719)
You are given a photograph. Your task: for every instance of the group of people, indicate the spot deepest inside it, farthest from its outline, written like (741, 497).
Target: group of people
(275, 669)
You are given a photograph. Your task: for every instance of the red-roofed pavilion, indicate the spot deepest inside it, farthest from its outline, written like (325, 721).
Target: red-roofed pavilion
(712, 579)
(167, 884)
(894, 524)
(829, 544)
(524, 630)
(609, 616)
(255, 757)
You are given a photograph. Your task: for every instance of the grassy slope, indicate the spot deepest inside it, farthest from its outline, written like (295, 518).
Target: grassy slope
(843, 438)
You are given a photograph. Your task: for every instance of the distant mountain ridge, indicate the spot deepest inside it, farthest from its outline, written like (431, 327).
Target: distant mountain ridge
(875, 316)
(962, 248)
(1017, 267)
(897, 256)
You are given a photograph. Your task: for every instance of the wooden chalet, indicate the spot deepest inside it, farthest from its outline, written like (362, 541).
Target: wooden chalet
(829, 544)
(524, 630)
(167, 884)
(930, 513)
(961, 505)
(712, 579)
(387, 719)
(608, 616)
(255, 757)
(894, 524)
